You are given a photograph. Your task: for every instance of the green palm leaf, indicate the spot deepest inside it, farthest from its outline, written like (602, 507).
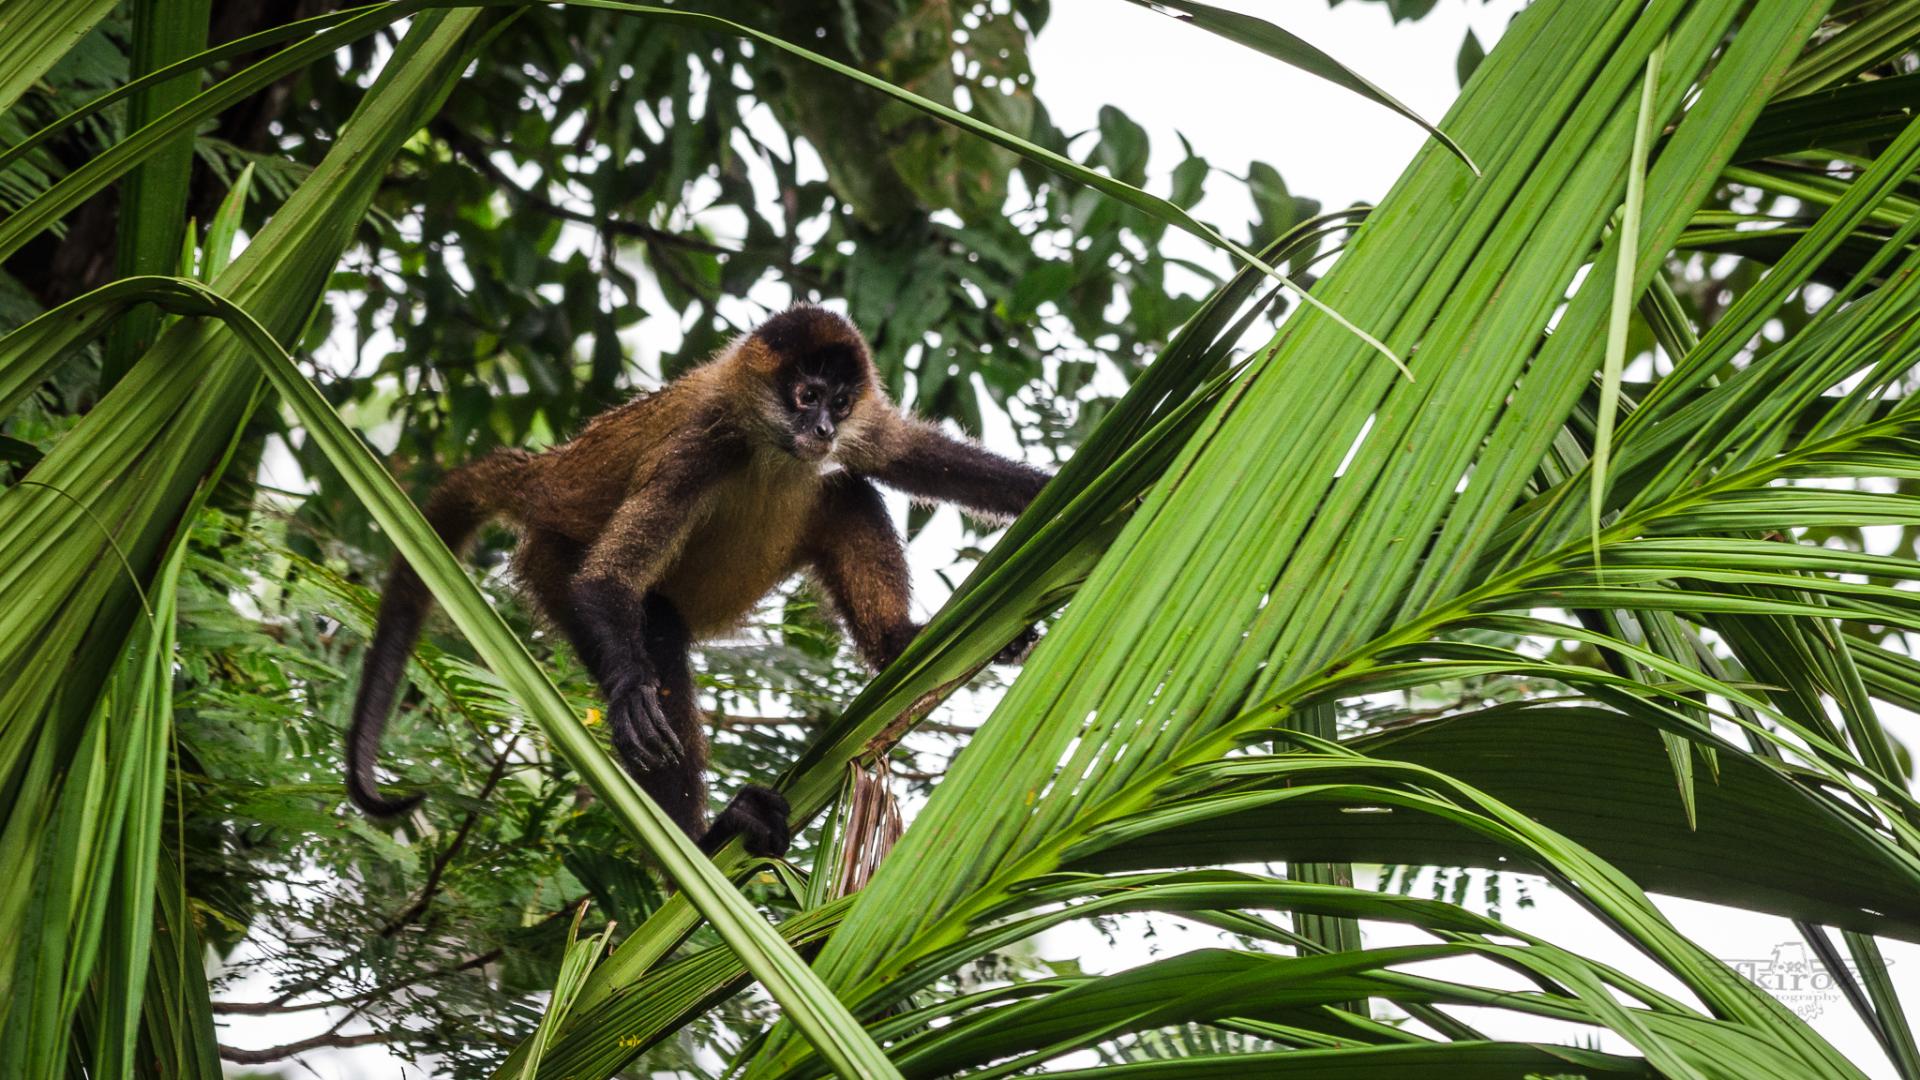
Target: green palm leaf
(1136, 684)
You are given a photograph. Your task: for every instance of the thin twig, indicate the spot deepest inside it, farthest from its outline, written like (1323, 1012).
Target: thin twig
(275, 1007)
(445, 858)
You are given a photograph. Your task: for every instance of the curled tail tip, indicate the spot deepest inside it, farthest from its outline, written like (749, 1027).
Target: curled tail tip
(363, 747)
(378, 806)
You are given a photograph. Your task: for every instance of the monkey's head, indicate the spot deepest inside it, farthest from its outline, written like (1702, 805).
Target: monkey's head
(820, 376)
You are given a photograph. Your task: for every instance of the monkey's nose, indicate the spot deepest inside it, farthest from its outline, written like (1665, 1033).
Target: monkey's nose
(823, 429)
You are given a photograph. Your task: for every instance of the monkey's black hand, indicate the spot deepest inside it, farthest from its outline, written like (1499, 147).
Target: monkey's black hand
(1019, 648)
(640, 729)
(758, 816)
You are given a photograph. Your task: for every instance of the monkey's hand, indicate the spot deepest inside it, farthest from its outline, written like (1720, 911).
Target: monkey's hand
(1019, 648)
(758, 815)
(641, 731)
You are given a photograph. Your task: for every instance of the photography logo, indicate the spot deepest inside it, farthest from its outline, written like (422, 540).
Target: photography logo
(1797, 978)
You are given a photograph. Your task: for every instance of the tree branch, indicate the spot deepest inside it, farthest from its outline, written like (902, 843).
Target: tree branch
(279, 1005)
(330, 1040)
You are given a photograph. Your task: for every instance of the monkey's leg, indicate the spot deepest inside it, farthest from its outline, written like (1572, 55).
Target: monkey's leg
(861, 562)
(757, 815)
(545, 563)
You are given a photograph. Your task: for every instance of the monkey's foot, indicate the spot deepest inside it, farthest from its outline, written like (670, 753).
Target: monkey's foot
(1019, 648)
(758, 816)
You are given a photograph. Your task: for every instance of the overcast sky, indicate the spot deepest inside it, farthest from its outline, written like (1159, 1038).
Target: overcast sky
(1236, 106)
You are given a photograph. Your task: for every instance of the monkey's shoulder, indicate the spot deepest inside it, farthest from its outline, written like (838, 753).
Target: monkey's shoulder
(666, 425)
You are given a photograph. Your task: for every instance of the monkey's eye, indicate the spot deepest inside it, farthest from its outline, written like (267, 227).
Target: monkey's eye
(840, 403)
(808, 395)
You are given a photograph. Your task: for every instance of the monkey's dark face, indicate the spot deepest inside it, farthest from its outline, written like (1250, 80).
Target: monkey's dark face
(820, 373)
(817, 403)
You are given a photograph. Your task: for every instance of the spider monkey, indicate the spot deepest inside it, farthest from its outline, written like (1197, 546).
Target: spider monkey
(667, 518)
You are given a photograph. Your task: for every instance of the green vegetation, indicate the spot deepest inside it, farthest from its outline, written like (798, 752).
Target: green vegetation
(1611, 586)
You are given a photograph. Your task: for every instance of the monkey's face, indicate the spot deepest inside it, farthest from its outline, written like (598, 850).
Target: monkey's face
(816, 404)
(819, 371)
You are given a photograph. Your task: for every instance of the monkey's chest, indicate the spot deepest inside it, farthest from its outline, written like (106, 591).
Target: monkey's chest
(745, 544)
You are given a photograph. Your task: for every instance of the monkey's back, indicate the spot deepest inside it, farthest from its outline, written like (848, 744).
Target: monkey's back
(744, 531)
(574, 488)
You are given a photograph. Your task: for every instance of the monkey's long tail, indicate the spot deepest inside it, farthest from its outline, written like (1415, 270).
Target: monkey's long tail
(464, 501)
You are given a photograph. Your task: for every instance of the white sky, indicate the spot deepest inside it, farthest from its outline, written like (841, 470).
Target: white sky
(1236, 106)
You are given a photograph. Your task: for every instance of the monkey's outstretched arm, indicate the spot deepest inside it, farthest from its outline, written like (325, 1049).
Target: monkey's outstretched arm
(860, 560)
(924, 462)
(639, 543)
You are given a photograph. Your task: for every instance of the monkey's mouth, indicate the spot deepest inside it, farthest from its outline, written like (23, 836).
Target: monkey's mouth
(809, 448)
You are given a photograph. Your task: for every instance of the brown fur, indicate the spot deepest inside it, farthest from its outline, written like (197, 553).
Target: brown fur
(668, 518)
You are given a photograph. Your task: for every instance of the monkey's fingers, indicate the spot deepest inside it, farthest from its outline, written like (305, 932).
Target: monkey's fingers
(656, 730)
(627, 714)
